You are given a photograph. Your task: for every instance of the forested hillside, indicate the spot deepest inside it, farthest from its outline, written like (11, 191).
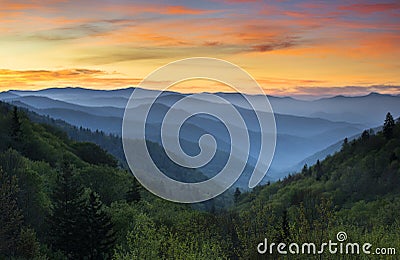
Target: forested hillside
(304, 128)
(357, 190)
(62, 199)
(66, 199)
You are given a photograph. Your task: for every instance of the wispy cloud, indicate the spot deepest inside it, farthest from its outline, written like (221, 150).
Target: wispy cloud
(275, 45)
(37, 79)
(100, 56)
(212, 43)
(140, 8)
(239, 1)
(347, 90)
(367, 8)
(179, 9)
(325, 42)
(74, 32)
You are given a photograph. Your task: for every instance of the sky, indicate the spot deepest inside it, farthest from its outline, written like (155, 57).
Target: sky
(292, 48)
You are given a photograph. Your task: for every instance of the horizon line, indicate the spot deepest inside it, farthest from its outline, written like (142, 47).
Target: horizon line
(301, 97)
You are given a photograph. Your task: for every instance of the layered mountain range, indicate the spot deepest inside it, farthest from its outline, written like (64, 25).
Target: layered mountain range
(306, 130)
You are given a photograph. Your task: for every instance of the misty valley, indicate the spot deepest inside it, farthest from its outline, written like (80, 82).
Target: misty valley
(65, 178)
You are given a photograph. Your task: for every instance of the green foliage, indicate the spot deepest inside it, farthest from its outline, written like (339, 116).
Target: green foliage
(144, 241)
(123, 216)
(32, 198)
(147, 240)
(237, 195)
(15, 126)
(388, 126)
(47, 174)
(110, 183)
(79, 227)
(133, 194)
(356, 190)
(31, 162)
(109, 142)
(10, 215)
(28, 245)
(66, 229)
(93, 154)
(99, 236)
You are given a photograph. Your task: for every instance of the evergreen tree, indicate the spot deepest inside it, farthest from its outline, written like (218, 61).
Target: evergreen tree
(345, 143)
(133, 194)
(15, 125)
(99, 238)
(318, 171)
(212, 208)
(10, 215)
(304, 171)
(309, 172)
(236, 195)
(371, 131)
(365, 135)
(388, 126)
(28, 245)
(285, 229)
(66, 230)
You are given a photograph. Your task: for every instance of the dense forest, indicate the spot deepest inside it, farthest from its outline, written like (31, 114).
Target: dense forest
(65, 199)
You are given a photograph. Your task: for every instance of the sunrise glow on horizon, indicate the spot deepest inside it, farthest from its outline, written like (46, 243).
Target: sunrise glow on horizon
(292, 48)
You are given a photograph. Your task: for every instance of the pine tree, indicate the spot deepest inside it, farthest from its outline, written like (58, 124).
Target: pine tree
(236, 195)
(133, 194)
(345, 143)
(371, 131)
(212, 208)
(10, 214)
(388, 126)
(28, 245)
(365, 135)
(66, 230)
(15, 125)
(318, 171)
(304, 171)
(100, 237)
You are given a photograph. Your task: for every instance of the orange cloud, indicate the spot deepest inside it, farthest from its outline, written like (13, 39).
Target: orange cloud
(30, 5)
(345, 90)
(38, 79)
(274, 45)
(179, 9)
(212, 43)
(330, 42)
(289, 82)
(97, 79)
(354, 45)
(239, 1)
(154, 8)
(370, 8)
(11, 6)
